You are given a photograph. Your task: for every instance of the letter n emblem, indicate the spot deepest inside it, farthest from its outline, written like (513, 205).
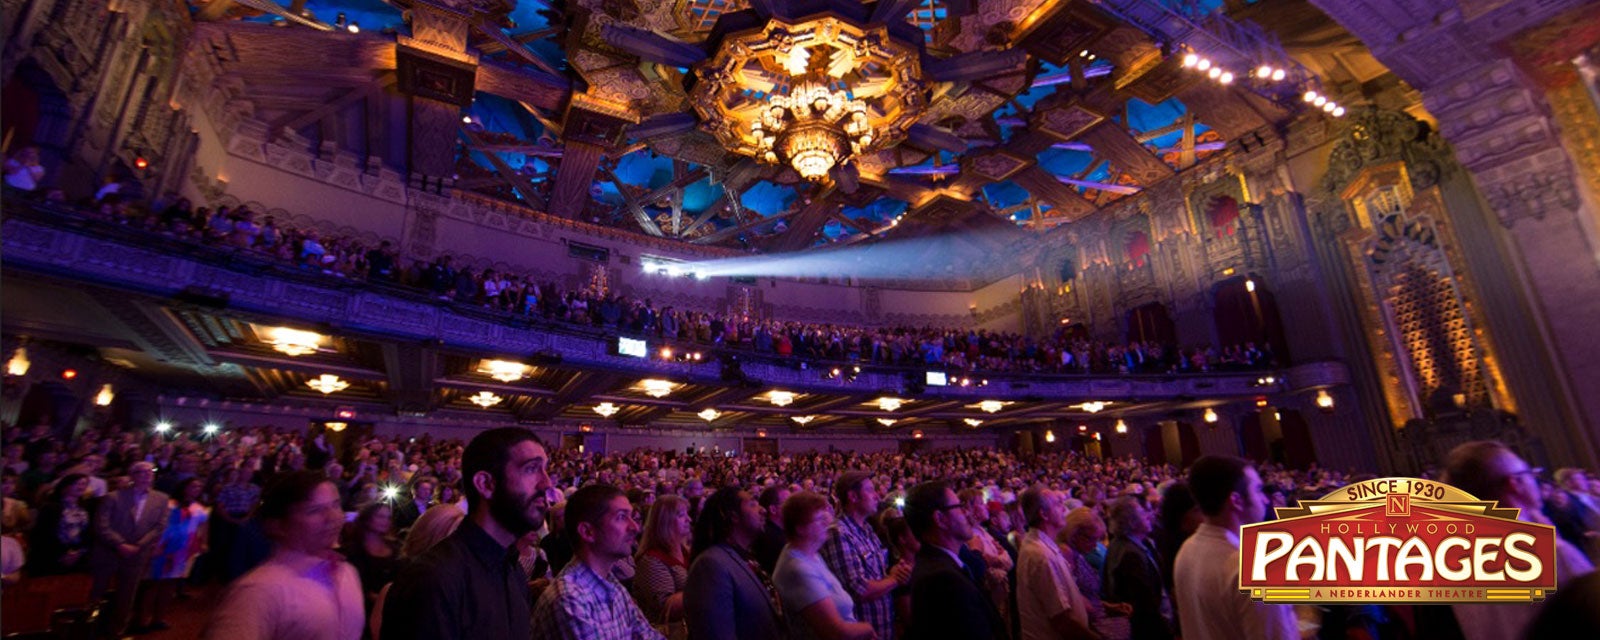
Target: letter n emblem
(1397, 505)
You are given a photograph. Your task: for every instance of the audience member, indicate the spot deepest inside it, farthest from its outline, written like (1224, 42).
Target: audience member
(304, 591)
(770, 543)
(1206, 574)
(1133, 571)
(947, 595)
(816, 605)
(585, 602)
(1049, 604)
(184, 539)
(470, 585)
(128, 528)
(857, 556)
(663, 566)
(729, 596)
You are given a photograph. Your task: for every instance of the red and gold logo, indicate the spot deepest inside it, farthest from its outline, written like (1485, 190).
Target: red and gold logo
(1397, 540)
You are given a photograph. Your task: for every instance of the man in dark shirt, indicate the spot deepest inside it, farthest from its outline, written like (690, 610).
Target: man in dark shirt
(470, 585)
(770, 544)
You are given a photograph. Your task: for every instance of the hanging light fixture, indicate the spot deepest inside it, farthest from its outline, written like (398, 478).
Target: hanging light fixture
(504, 370)
(887, 422)
(991, 406)
(293, 342)
(485, 399)
(1092, 406)
(606, 409)
(916, 434)
(802, 420)
(972, 422)
(656, 388)
(780, 398)
(890, 404)
(104, 397)
(709, 414)
(18, 364)
(1210, 416)
(328, 383)
(832, 89)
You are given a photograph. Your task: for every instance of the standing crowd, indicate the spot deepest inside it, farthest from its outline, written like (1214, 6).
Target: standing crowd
(501, 537)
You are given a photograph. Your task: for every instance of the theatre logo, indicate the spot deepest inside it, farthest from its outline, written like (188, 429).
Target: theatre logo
(1397, 540)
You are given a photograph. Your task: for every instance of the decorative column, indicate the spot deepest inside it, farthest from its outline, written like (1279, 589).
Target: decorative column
(438, 76)
(590, 128)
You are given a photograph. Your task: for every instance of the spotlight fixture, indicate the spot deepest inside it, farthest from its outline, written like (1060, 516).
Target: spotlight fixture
(780, 398)
(1278, 75)
(328, 383)
(887, 422)
(211, 428)
(1324, 401)
(504, 370)
(293, 342)
(972, 422)
(991, 406)
(1226, 78)
(1320, 100)
(1250, 285)
(1210, 416)
(1204, 64)
(1338, 112)
(485, 399)
(1190, 60)
(1122, 427)
(1264, 71)
(163, 427)
(391, 493)
(890, 404)
(1214, 73)
(656, 388)
(105, 396)
(1329, 107)
(1092, 406)
(1309, 96)
(606, 409)
(802, 420)
(709, 414)
(354, 28)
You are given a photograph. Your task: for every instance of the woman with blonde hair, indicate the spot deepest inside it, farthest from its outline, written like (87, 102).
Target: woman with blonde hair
(662, 566)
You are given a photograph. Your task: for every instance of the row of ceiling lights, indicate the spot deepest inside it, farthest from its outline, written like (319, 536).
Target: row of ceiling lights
(1263, 73)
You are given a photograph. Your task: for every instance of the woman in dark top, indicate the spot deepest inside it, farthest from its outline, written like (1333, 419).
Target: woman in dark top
(60, 540)
(372, 548)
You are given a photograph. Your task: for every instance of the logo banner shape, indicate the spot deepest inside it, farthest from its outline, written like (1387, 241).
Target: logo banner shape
(1397, 540)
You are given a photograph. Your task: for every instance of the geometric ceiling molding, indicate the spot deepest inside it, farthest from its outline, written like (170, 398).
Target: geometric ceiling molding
(995, 166)
(1063, 30)
(1064, 122)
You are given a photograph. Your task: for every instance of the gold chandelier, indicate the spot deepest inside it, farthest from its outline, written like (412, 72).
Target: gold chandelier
(812, 93)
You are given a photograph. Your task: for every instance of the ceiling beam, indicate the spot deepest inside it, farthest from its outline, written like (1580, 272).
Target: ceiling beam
(633, 205)
(293, 123)
(804, 225)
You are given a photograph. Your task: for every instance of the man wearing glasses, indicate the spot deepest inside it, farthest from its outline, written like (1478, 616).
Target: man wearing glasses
(947, 597)
(1491, 471)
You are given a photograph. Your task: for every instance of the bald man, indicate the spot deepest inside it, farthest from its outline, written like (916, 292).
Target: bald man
(128, 524)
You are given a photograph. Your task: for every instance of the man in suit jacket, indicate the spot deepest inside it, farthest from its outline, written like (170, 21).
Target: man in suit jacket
(128, 524)
(728, 596)
(1133, 571)
(947, 599)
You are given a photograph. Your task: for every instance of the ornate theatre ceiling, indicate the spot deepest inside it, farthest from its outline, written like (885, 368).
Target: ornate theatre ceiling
(776, 125)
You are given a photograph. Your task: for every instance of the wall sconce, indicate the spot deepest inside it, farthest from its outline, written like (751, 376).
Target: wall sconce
(335, 426)
(1324, 401)
(761, 433)
(18, 364)
(1210, 416)
(916, 435)
(105, 396)
(1049, 436)
(1122, 427)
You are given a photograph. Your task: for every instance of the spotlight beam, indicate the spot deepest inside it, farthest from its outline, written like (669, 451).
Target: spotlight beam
(892, 259)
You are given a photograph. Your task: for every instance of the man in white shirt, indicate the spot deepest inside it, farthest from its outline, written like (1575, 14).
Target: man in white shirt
(1206, 574)
(1049, 604)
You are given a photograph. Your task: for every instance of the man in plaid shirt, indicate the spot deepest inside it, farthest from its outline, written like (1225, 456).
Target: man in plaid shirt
(585, 602)
(857, 557)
